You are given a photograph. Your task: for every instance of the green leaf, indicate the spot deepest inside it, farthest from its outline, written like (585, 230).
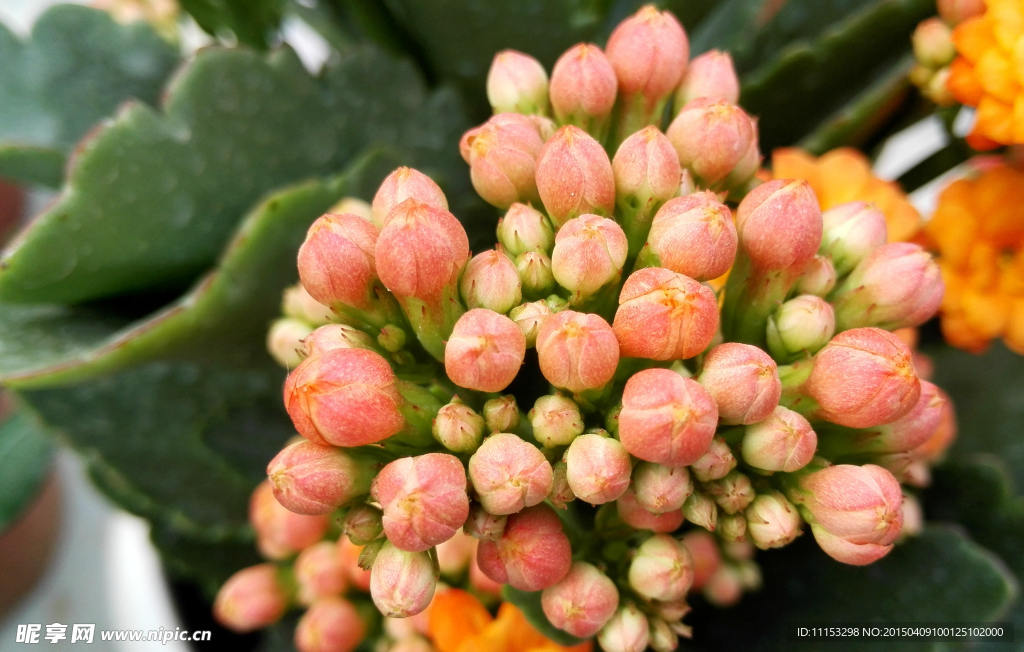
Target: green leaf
(26, 452)
(253, 22)
(529, 603)
(74, 70)
(223, 319)
(153, 197)
(207, 563)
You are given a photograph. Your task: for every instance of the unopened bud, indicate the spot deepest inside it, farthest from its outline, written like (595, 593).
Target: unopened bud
(864, 377)
(647, 174)
(626, 631)
(692, 235)
(561, 493)
(897, 285)
(635, 516)
(772, 521)
(401, 582)
(913, 429)
(574, 176)
(490, 281)
(455, 554)
(344, 397)
(851, 232)
(598, 468)
(517, 83)
(405, 183)
(711, 75)
(700, 509)
(782, 442)
(779, 225)
(713, 139)
(662, 569)
(933, 43)
(523, 229)
(502, 157)
(582, 601)
(485, 351)
(732, 493)
(424, 500)
(715, 463)
(800, 328)
(818, 278)
(583, 89)
(662, 638)
(556, 420)
(336, 336)
(363, 524)
(666, 418)
(663, 315)
(705, 555)
(251, 599)
(311, 479)
(481, 524)
(332, 624)
(280, 532)
(577, 351)
(392, 338)
(297, 303)
(509, 474)
(660, 489)
(336, 261)
(955, 12)
(529, 317)
(535, 274)
(589, 254)
(731, 528)
(319, 573)
(743, 380)
(501, 414)
(725, 587)
(284, 341)
(533, 552)
(458, 428)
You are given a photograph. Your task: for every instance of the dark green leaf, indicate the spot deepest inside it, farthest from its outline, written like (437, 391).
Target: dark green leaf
(153, 198)
(253, 22)
(529, 603)
(26, 452)
(208, 563)
(32, 164)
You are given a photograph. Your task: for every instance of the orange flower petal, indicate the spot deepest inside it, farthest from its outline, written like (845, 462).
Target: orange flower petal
(973, 37)
(456, 617)
(996, 76)
(963, 83)
(995, 120)
(987, 313)
(844, 175)
(1014, 336)
(795, 163)
(959, 333)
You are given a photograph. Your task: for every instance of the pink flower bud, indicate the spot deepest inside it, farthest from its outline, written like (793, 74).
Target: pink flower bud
(782, 442)
(319, 573)
(712, 139)
(818, 278)
(561, 493)
(529, 317)
(705, 555)
(662, 638)
(251, 599)
(701, 510)
(582, 601)
(732, 493)
(895, 286)
(489, 563)
(363, 524)
(666, 418)
(485, 351)
(715, 463)
(509, 474)
(535, 274)
(501, 414)
(455, 554)
(660, 489)
(863, 378)
(331, 625)
(649, 51)
(662, 569)
(913, 429)
(491, 281)
(483, 584)
(344, 397)
(336, 262)
(424, 500)
(663, 315)
(955, 12)
(524, 229)
(626, 631)
(692, 235)
(772, 521)
(533, 550)
(851, 232)
(589, 254)
(336, 336)
(711, 75)
(458, 428)
(405, 183)
(800, 327)
(598, 468)
(481, 524)
(556, 420)
(577, 351)
(636, 516)
(517, 83)
(743, 380)
(934, 448)
(855, 511)
(281, 533)
(402, 583)
(933, 43)
(779, 225)
(583, 88)
(725, 587)
(502, 157)
(913, 517)
(574, 176)
(647, 171)
(284, 341)
(421, 250)
(297, 303)
(311, 479)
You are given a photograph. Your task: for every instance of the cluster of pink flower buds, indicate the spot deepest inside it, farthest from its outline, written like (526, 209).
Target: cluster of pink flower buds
(685, 427)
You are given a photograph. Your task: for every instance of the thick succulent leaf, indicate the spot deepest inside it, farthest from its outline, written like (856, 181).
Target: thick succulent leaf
(154, 196)
(223, 319)
(207, 563)
(74, 70)
(529, 603)
(831, 68)
(939, 576)
(26, 452)
(253, 22)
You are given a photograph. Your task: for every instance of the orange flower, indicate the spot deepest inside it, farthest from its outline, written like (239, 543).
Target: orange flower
(460, 623)
(988, 73)
(844, 175)
(978, 234)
